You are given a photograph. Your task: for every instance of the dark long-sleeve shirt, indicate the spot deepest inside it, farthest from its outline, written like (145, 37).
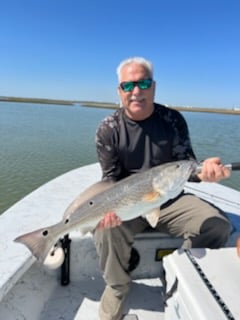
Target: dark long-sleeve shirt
(125, 146)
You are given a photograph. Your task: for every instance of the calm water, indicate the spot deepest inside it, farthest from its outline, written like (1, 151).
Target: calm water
(40, 142)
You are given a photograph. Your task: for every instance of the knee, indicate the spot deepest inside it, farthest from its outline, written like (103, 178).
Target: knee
(216, 231)
(100, 235)
(113, 244)
(103, 238)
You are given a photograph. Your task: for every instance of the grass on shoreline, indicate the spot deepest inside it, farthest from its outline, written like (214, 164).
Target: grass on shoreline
(110, 105)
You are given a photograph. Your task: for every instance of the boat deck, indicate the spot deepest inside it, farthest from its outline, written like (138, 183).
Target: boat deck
(50, 300)
(42, 290)
(29, 292)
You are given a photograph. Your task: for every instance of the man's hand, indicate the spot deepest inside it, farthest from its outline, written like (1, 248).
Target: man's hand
(110, 220)
(213, 170)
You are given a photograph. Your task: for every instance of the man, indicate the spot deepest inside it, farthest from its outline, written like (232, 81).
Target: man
(140, 135)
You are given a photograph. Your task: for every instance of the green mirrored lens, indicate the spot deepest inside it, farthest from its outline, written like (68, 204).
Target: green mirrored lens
(144, 84)
(128, 86)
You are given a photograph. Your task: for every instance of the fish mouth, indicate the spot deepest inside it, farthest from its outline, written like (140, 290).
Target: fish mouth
(185, 172)
(193, 167)
(190, 169)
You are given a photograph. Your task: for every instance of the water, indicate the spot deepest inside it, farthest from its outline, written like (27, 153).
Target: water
(40, 142)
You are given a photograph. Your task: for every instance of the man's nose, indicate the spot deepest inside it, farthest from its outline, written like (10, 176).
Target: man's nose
(136, 89)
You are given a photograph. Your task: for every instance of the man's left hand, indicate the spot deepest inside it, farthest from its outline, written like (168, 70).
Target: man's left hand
(213, 170)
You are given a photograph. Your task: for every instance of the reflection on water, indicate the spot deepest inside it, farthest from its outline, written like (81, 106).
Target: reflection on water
(40, 142)
(216, 135)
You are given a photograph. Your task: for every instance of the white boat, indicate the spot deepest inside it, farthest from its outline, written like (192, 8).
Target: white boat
(200, 283)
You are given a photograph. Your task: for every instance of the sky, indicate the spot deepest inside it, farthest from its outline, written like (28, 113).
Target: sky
(70, 49)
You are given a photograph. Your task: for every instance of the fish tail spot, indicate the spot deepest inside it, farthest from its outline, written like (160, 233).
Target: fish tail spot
(45, 233)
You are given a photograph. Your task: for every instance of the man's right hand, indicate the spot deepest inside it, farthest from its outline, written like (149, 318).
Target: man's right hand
(110, 220)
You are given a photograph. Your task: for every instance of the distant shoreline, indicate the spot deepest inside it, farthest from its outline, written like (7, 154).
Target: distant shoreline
(95, 104)
(36, 100)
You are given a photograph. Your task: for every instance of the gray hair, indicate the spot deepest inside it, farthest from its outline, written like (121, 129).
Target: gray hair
(139, 60)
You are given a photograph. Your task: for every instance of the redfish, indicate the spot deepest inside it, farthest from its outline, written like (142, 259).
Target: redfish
(140, 194)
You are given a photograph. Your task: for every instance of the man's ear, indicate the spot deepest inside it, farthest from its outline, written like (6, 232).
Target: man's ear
(154, 88)
(120, 100)
(118, 90)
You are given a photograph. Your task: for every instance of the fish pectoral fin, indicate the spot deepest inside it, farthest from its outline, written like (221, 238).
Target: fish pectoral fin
(151, 196)
(152, 217)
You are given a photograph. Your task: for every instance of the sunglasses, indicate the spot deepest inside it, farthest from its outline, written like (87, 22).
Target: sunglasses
(128, 86)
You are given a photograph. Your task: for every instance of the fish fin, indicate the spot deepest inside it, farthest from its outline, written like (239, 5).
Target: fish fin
(152, 217)
(38, 242)
(151, 196)
(84, 231)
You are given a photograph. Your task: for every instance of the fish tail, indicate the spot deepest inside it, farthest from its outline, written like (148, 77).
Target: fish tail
(39, 242)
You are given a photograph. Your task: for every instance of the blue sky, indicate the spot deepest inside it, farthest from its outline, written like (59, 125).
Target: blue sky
(69, 49)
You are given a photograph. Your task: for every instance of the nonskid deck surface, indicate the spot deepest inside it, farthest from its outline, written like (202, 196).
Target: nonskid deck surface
(40, 296)
(144, 300)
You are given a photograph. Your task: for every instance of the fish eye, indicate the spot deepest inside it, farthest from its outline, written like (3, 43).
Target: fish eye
(91, 203)
(66, 221)
(45, 233)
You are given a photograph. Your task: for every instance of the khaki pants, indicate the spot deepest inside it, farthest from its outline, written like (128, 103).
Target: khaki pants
(198, 222)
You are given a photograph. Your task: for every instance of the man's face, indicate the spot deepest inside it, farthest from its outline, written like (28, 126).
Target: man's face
(138, 103)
